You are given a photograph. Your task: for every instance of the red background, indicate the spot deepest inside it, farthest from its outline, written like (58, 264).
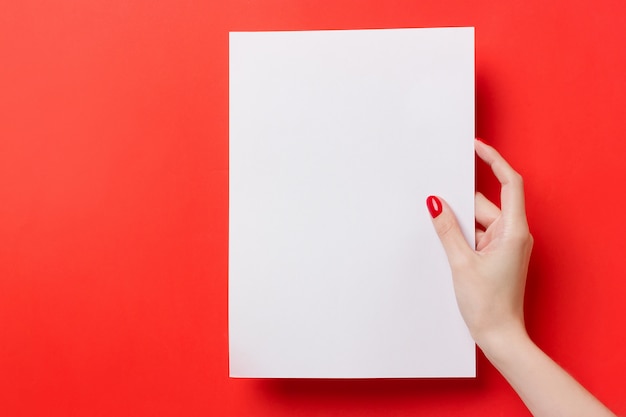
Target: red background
(113, 201)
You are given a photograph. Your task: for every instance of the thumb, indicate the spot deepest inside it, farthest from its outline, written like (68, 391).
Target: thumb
(448, 230)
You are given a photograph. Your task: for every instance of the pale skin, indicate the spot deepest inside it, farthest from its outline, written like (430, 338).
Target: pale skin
(489, 283)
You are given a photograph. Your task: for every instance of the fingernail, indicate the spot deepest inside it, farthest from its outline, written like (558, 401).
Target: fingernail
(482, 140)
(434, 206)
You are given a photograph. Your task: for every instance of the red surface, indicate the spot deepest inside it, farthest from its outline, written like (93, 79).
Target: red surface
(113, 201)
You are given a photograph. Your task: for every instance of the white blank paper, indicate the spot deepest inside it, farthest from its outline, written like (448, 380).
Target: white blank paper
(336, 140)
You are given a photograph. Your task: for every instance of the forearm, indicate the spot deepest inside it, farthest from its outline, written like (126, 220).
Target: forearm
(545, 388)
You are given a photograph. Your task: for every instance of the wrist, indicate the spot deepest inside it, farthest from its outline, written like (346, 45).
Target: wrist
(498, 343)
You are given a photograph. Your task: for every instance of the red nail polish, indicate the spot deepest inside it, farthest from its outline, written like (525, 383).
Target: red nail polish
(482, 140)
(434, 206)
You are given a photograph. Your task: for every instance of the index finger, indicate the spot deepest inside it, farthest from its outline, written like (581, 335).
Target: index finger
(512, 191)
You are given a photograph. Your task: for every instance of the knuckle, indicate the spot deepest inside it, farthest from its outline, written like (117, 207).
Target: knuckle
(445, 227)
(461, 262)
(522, 237)
(516, 179)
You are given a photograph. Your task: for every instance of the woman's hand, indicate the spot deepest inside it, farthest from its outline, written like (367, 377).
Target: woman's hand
(489, 285)
(489, 281)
